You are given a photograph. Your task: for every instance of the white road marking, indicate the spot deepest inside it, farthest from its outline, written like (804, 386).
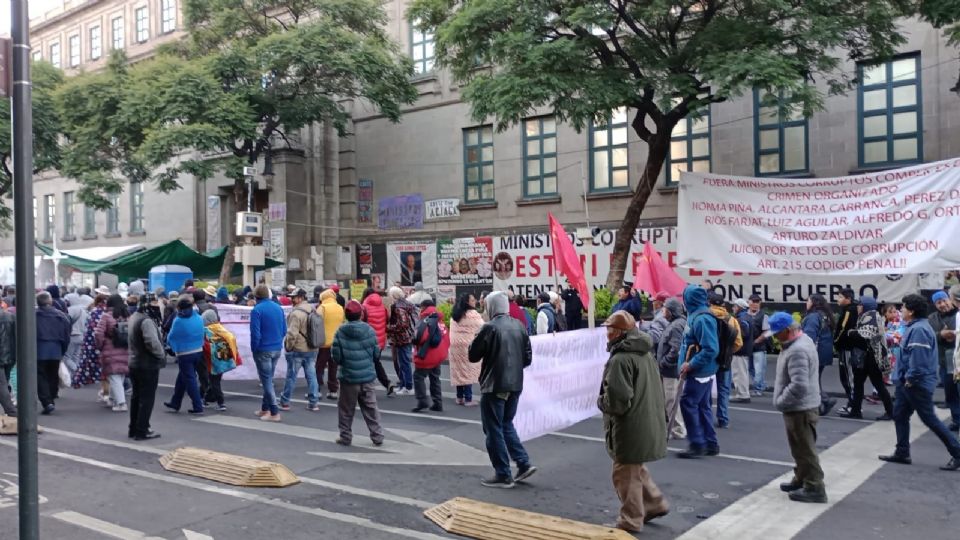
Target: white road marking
(103, 527)
(191, 535)
(236, 493)
(846, 465)
(314, 481)
(423, 448)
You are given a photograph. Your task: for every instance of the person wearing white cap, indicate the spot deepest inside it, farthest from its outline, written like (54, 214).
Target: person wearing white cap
(740, 366)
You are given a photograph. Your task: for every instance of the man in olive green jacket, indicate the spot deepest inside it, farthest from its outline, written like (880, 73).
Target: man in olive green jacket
(631, 399)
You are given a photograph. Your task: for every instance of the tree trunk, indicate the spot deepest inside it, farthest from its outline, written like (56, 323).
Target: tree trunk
(239, 190)
(658, 145)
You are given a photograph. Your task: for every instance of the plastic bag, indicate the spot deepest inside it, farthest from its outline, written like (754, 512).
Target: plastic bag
(64, 374)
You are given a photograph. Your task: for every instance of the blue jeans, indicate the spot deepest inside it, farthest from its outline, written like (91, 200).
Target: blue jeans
(697, 414)
(187, 381)
(723, 397)
(266, 362)
(919, 400)
(759, 370)
(405, 362)
(951, 391)
(296, 360)
(465, 392)
(503, 443)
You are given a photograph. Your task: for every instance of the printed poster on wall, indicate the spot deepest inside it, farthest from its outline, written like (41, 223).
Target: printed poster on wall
(378, 282)
(357, 286)
(277, 247)
(401, 212)
(897, 221)
(365, 201)
(465, 261)
(525, 262)
(365, 258)
(412, 262)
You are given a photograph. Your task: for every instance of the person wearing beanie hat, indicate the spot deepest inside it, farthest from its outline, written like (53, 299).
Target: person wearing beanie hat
(267, 330)
(842, 340)
(220, 354)
(796, 394)
(223, 296)
(186, 341)
(668, 355)
(401, 326)
(355, 350)
(916, 382)
(632, 406)
(944, 321)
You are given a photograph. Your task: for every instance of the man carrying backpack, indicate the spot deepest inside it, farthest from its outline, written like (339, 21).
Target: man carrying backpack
(729, 337)
(303, 323)
(401, 327)
(433, 345)
(698, 368)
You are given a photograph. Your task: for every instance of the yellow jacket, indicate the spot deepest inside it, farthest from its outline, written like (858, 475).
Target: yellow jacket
(332, 314)
(721, 313)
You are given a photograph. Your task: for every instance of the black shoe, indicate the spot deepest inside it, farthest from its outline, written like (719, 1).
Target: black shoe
(391, 391)
(147, 436)
(523, 474)
(497, 482)
(827, 406)
(894, 458)
(194, 411)
(740, 400)
(791, 486)
(419, 408)
(952, 465)
(847, 413)
(47, 409)
(884, 418)
(723, 425)
(692, 453)
(171, 407)
(808, 496)
(437, 408)
(713, 451)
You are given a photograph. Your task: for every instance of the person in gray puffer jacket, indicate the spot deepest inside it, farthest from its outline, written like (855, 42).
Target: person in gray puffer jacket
(796, 394)
(668, 355)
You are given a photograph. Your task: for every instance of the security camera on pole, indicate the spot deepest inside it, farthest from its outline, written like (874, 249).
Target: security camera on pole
(250, 226)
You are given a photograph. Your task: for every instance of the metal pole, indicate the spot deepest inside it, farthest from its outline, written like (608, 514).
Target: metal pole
(23, 230)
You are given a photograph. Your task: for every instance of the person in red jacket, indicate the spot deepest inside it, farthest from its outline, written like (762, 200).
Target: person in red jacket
(432, 343)
(375, 314)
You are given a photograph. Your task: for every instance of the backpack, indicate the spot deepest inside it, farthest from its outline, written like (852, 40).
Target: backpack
(726, 338)
(121, 334)
(437, 337)
(316, 330)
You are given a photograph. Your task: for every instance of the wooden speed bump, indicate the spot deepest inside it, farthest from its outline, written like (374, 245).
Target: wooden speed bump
(8, 425)
(484, 521)
(228, 468)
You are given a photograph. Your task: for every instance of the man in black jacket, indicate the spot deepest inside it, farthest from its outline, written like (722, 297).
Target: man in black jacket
(53, 338)
(504, 347)
(572, 308)
(943, 321)
(842, 340)
(147, 356)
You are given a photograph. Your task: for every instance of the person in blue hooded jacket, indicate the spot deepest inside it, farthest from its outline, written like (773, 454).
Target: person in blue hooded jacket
(698, 368)
(627, 302)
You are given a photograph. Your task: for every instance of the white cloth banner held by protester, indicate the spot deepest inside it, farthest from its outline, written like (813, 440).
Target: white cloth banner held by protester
(899, 221)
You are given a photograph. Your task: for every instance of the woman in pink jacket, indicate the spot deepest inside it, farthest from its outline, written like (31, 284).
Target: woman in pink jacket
(465, 322)
(375, 314)
(111, 337)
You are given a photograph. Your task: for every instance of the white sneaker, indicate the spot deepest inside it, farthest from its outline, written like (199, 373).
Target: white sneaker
(332, 395)
(120, 408)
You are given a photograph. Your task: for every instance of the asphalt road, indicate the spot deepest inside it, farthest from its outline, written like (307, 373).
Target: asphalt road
(97, 484)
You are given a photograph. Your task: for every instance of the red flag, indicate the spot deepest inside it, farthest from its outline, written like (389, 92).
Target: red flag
(655, 275)
(566, 260)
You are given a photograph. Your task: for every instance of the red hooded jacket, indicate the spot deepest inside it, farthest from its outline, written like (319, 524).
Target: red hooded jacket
(426, 357)
(376, 317)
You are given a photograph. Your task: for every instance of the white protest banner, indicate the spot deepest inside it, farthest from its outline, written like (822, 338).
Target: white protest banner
(412, 262)
(561, 386)
(525, 263)
(236, 319)
(900, 221)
